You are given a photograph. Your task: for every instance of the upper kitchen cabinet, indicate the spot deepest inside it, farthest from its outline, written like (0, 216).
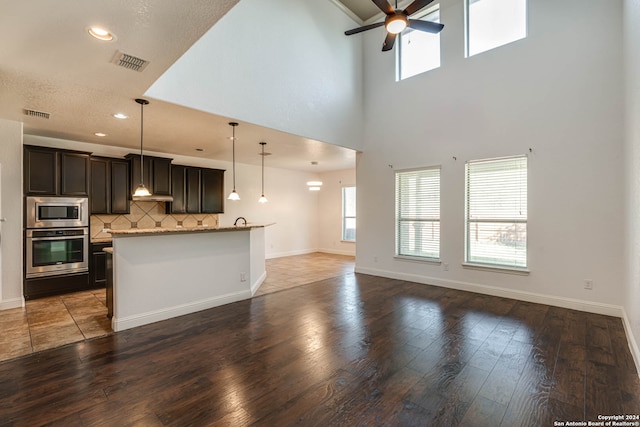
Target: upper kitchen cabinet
(109, 185)
(193, 190)
(54, 172)
(212, 188)
(196, 190)
(178, 190)
(157, 174)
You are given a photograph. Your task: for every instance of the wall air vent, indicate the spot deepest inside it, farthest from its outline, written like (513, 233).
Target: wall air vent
(129, 61)
(36, 113)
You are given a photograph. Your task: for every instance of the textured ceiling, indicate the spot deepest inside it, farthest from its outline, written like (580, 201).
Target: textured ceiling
(49, 63)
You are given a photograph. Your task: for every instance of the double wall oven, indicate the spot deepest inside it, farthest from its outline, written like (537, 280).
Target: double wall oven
(56, 236)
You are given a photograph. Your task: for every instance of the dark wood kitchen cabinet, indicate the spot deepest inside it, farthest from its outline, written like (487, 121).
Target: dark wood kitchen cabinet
(178, 190)
(212, 188)
(157, 174)
(193, 190)
(98, 265)
(55, 172)
(196, 190)
(109, 186)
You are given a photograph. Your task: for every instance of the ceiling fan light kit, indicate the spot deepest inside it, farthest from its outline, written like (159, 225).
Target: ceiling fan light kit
(397, 20)
(396, 23)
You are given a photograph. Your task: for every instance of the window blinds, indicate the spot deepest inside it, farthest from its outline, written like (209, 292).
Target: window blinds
(418, 213)
(496, 212)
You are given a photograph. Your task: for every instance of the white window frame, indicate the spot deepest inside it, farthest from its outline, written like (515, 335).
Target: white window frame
(517, 220)
(345, 216)
(467, 25)
(429, 11)
(400, 219)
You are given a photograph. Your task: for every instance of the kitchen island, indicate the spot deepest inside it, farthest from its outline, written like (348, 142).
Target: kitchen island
(164, 273)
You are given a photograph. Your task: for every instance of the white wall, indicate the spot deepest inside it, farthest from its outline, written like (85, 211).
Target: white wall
(11, 204)
(632, 167)
(291, 206)
(330, 212)
(559, 92)
(282, 64)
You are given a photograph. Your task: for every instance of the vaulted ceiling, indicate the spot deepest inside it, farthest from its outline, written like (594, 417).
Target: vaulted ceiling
(49, 64)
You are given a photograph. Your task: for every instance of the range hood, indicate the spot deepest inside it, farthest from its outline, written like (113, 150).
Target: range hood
(152, 198)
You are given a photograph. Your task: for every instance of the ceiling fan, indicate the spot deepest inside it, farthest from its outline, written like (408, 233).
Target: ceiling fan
(397, 20)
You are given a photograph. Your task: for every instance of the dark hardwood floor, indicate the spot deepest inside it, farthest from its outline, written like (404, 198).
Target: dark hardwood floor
(355, 350)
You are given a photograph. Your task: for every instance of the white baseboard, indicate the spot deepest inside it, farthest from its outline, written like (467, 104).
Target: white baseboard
(120, 324)
(633, 344)
(256, 285)
(574, 304)
(11, 303)
(337, 252)
(290, 253)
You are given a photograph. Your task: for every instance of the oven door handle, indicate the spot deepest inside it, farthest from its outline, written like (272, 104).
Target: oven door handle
(38, 239)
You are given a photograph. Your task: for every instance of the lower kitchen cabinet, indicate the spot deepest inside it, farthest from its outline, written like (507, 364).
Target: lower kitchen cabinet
(98, 265)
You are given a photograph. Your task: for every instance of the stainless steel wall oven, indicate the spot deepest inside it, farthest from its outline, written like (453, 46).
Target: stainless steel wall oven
(56, 251)
(56, 236)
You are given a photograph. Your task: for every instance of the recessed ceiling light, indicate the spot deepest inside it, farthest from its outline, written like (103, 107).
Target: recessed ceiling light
(120, 116)
(100, 134)
(101, 34)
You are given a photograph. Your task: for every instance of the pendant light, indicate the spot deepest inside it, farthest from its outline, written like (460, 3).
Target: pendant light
(141, 190)
(262, 199)
(234, 195)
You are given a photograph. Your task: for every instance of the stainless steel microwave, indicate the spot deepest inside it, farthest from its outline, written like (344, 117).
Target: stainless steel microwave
(50, 212)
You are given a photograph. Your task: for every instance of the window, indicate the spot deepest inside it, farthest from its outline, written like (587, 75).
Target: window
(418, 51)
(418, 213)
(349, 214)
(496, 212)
(493, 23)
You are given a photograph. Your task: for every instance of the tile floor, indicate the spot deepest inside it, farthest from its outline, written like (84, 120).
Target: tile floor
(53, 322)
(288, 272)
(56, 321)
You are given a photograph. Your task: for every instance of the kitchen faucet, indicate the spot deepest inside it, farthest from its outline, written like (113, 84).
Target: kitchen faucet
(238, 219)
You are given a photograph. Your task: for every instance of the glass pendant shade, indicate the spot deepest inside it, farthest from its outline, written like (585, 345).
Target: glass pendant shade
(141, 191)
(234, 195)
(262, 199)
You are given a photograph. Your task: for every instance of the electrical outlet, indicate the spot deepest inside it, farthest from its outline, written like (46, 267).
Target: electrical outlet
(375, 259)
(243, 277)
(446, 266)
(588, 284)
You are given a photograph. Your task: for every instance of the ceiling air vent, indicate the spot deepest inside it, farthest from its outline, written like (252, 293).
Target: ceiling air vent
(129, 61)
(36, 113)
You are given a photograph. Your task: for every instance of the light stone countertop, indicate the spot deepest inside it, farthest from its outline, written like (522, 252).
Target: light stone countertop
(101, 240)
(152, 231)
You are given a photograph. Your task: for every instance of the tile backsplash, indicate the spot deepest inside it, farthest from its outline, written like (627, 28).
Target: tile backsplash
(148, 215)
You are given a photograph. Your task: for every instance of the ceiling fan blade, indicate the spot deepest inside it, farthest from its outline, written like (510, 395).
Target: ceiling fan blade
(384, 6)
(389, 41)
(365, 28)
(427, 26)
(416, 6)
